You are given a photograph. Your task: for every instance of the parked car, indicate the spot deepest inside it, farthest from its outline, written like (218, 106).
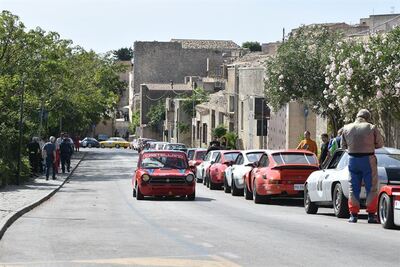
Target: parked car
(159, 145)
(89, 142)
(234, 174)
(215, 174)
(389, 204)
(163, 173)
(202, 167)
(133, 144)
(280, 173)
(330, 186)
(176, 146)
(142, 143)
(116, 142)
(196, 158)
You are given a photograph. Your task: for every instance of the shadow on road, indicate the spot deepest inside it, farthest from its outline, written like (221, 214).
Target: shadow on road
(291, 202)
(201, 199)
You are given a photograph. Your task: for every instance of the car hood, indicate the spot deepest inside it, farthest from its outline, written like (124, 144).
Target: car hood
(166, 172)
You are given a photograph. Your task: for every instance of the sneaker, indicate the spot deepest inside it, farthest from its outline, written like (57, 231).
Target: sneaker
(372, 218)
(47, 178)
(353, 218)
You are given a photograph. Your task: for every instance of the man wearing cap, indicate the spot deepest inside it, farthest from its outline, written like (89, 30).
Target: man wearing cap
(361, 138)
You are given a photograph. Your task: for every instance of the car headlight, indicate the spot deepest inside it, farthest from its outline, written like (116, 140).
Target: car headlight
(190, 178)
(145, 177)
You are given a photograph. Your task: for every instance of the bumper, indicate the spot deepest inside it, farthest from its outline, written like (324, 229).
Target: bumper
(217, 179)
(167, 190)
(279, 190)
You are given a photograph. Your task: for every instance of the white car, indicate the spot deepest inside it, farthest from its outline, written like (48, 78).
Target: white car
(233, 177)
(330, 186)
(201, 169)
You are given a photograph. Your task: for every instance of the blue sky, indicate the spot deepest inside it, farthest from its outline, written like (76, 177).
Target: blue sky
(104, 25)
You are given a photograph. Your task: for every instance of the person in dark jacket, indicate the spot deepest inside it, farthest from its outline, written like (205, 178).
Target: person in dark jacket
(49, 153)
(323, 158)
(66, 150)
(34, 155)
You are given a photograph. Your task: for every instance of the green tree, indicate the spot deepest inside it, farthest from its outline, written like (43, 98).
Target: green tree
(156, 114)
(123, 54)
(297, 72)
(198, 96)
(252, 46)
(219, 131)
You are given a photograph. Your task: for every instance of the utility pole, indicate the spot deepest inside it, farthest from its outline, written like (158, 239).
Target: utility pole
(21, 117)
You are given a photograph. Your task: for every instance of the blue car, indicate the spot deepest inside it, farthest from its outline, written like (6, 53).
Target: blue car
(89, 142)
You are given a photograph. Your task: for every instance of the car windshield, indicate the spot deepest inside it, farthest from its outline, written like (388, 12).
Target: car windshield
(163, 160)
(200, 154)
(176, 146)
(294, 158)
(388, 160)
(254, 156)
(231, 156)
(190, 154)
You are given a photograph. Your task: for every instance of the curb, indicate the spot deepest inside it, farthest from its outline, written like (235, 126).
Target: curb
(10, 219)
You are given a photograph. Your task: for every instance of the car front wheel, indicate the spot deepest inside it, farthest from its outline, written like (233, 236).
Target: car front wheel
(102, 146)
(117, 146)
(227, 188)
(139, 195)
(385, 211)
(192, 197)
(309, 206)
(340, 202)
(247, 193)
(236, 191)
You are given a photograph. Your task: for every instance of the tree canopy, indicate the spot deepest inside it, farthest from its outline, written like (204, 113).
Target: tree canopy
(252, 46)
(65, 87)
(123, 54)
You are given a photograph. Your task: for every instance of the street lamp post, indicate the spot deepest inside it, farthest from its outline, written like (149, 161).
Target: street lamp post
(21, 117)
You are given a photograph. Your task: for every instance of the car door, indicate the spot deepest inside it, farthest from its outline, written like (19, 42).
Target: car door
(331, 174)
(239, 170)
(234, 168)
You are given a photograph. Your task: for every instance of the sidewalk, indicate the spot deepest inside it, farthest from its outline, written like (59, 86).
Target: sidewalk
(17, 200)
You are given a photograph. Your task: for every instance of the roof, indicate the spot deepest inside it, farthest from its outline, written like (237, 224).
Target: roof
(206, 44)
(167, 87)
(255, 59)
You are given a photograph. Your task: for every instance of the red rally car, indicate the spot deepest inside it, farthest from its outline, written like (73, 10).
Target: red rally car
(389, 206)
(163, 173)
(215, 174)
(279, 173)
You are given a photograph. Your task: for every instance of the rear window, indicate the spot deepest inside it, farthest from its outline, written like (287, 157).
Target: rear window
(231, 156)
(294, 158)
(190, 154)
(388, 160)
(163, 160)
(254, 157)
(200, 154)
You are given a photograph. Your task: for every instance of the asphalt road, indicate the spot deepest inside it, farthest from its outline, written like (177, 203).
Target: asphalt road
(93, 220)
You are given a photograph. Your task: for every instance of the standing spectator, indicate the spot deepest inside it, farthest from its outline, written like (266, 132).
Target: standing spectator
(34, 155)
(76, 143)
(323, 158)
(361, 138)
(335, 142)
(58, 143)
(49, 153)
(66, 151)
(308, 144)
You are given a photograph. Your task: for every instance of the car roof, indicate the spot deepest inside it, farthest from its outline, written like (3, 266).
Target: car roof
(162, 151)
(289, 151)
(255, 151)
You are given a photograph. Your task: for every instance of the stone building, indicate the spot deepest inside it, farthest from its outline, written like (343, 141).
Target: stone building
(157, 63)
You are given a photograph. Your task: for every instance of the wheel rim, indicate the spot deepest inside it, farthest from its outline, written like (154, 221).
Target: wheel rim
(383, 209)
(337, 199)
(307, 198)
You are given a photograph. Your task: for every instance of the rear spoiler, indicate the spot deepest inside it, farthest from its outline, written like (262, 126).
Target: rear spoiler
(296, 167)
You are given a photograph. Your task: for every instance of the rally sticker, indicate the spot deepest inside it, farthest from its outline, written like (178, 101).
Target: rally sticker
(165, 155)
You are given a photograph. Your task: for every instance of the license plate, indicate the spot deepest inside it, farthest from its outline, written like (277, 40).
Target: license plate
(397, 204)
(298, 187)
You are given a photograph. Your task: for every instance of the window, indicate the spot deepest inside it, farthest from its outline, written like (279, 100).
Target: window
(198, 129)
(262, 127)
(241, 115)
(239, 160)
(212, 119)
(264, 161)
(333, 163)
(261, 109)
(231, 126)
(254, 157)
(205, 133)
(221, 118)
(200, 154)
(216, 157)
(231, 103)
(294, 158)
(230, 156)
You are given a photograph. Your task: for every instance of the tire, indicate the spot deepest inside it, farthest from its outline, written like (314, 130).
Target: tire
(385, 211)
(134, 192)
(117, 146)
(192, 197)
(236, 191)
(211, 185)
(139, 195)
(258, 199)
(340, 202)
(102, 146)
(227, 188)
(247, 193)
(89, 145)
(204, 179)
(310, 207)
